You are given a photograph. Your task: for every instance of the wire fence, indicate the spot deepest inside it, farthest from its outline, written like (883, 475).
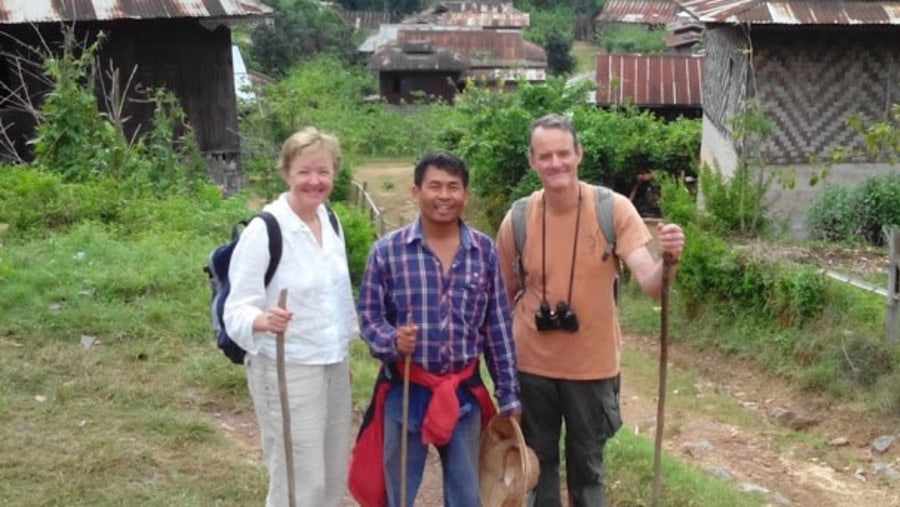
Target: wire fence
(362, 199)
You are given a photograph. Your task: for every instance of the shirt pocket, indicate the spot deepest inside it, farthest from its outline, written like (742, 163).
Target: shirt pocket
(470, 294)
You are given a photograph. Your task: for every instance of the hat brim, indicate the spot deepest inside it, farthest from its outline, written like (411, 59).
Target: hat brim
(508, 468)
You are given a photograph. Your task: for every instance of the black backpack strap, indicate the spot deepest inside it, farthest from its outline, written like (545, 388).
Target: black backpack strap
(275, 246)
(332, 217)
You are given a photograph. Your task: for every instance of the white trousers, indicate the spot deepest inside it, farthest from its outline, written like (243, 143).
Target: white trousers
(320, 407)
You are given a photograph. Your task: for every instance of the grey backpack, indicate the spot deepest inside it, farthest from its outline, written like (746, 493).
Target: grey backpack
(603, 204)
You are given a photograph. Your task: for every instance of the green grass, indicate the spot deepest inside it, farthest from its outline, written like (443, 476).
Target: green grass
(133, 419)
(585, 54)
(629, 461)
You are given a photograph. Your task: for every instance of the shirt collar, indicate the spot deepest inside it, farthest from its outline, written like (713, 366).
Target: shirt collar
(414, 234)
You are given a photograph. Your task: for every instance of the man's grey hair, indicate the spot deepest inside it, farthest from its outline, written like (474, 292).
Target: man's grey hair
(554, 121)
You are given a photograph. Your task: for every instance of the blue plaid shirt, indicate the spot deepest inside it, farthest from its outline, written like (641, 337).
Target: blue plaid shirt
(460, 314)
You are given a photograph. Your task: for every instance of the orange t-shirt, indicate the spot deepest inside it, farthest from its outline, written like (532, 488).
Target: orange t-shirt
(593, 352)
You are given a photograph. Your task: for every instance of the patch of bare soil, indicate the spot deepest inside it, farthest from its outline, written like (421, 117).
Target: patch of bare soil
(390, 186)
(800, 448)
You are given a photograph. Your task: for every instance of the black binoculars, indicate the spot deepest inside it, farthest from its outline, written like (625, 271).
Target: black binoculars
(551, 320)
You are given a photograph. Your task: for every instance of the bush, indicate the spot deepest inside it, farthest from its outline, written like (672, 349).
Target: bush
(616, 38)
(847, 213)
(799, 295)
(734, 205)
(676, 202)
(830, 216)
(877, 205)
(865, 359)
(32, 199)
(359, 234)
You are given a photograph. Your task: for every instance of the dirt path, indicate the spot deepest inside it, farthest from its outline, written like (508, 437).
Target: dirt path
(820, 457)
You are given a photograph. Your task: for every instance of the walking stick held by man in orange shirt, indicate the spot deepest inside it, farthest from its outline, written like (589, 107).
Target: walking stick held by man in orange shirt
(285, 408)
(668, 262)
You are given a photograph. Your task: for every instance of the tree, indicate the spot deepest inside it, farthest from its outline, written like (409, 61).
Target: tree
(302, 29)
(559, 53)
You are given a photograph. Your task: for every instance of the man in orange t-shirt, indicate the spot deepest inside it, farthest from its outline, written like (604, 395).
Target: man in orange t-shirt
(565, 322)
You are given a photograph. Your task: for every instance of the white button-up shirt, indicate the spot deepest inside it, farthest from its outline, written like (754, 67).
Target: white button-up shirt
(317, 280)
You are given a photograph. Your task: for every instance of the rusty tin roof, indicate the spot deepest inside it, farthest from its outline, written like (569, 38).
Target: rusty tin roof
(473, 14)
(648, 12)
(477, 44)
(649, 80)
(54, 11)
(806, 12)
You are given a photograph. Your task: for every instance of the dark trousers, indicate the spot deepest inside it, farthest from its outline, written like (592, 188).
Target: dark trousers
(590, 410)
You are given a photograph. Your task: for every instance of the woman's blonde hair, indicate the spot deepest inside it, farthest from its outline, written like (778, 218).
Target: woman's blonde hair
(309, 139)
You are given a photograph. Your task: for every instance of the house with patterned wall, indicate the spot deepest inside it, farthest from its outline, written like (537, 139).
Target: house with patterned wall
(810, 67)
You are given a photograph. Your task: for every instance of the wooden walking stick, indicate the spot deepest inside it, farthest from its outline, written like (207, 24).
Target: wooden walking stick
(285, 406)
(668, 261)
(404, 437)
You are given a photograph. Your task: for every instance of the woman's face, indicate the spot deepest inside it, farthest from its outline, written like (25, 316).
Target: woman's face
(310, 178)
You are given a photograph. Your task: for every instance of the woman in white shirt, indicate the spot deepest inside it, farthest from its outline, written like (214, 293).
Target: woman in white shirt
(318, 323)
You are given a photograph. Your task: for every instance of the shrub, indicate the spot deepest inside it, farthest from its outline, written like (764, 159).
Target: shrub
(830, 216)
(799, 295)
(676, 202)
(865, 210)
(359, 234)
(733, 204)
(865, 359)
(877, 205)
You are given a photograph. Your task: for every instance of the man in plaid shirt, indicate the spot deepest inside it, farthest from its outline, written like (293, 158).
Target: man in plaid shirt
(433, 290)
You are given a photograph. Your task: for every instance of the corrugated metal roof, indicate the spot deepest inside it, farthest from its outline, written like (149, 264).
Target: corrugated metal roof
(54, 11)
(487, 45)
(387, 34)
(473, 14)
(648, 12)
(365, 19)
(806, 12)
(649, 80)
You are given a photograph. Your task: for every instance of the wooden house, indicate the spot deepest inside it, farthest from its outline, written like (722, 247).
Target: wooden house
(432, 55)
(810, 67)
(184, 46)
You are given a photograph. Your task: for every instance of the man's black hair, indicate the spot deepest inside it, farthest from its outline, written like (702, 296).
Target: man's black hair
(443, 161)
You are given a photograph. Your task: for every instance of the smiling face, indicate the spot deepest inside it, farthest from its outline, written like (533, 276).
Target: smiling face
(441, 196)
(310, 178)
(555, 156)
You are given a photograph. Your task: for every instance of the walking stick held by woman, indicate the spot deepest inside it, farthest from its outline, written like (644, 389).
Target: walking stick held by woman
(285, 407)
(668, 261)
(404, 436)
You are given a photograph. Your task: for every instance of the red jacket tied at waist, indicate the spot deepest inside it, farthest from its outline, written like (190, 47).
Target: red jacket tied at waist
(366, 478)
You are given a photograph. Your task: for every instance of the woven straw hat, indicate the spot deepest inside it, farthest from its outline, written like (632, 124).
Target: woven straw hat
(508, 469)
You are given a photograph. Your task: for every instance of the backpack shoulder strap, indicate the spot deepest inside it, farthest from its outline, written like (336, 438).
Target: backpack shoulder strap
(518, 216)
(604, 203)
(332, 217)
(275, 245)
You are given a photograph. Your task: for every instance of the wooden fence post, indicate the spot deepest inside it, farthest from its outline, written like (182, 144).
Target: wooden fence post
(893, 295)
